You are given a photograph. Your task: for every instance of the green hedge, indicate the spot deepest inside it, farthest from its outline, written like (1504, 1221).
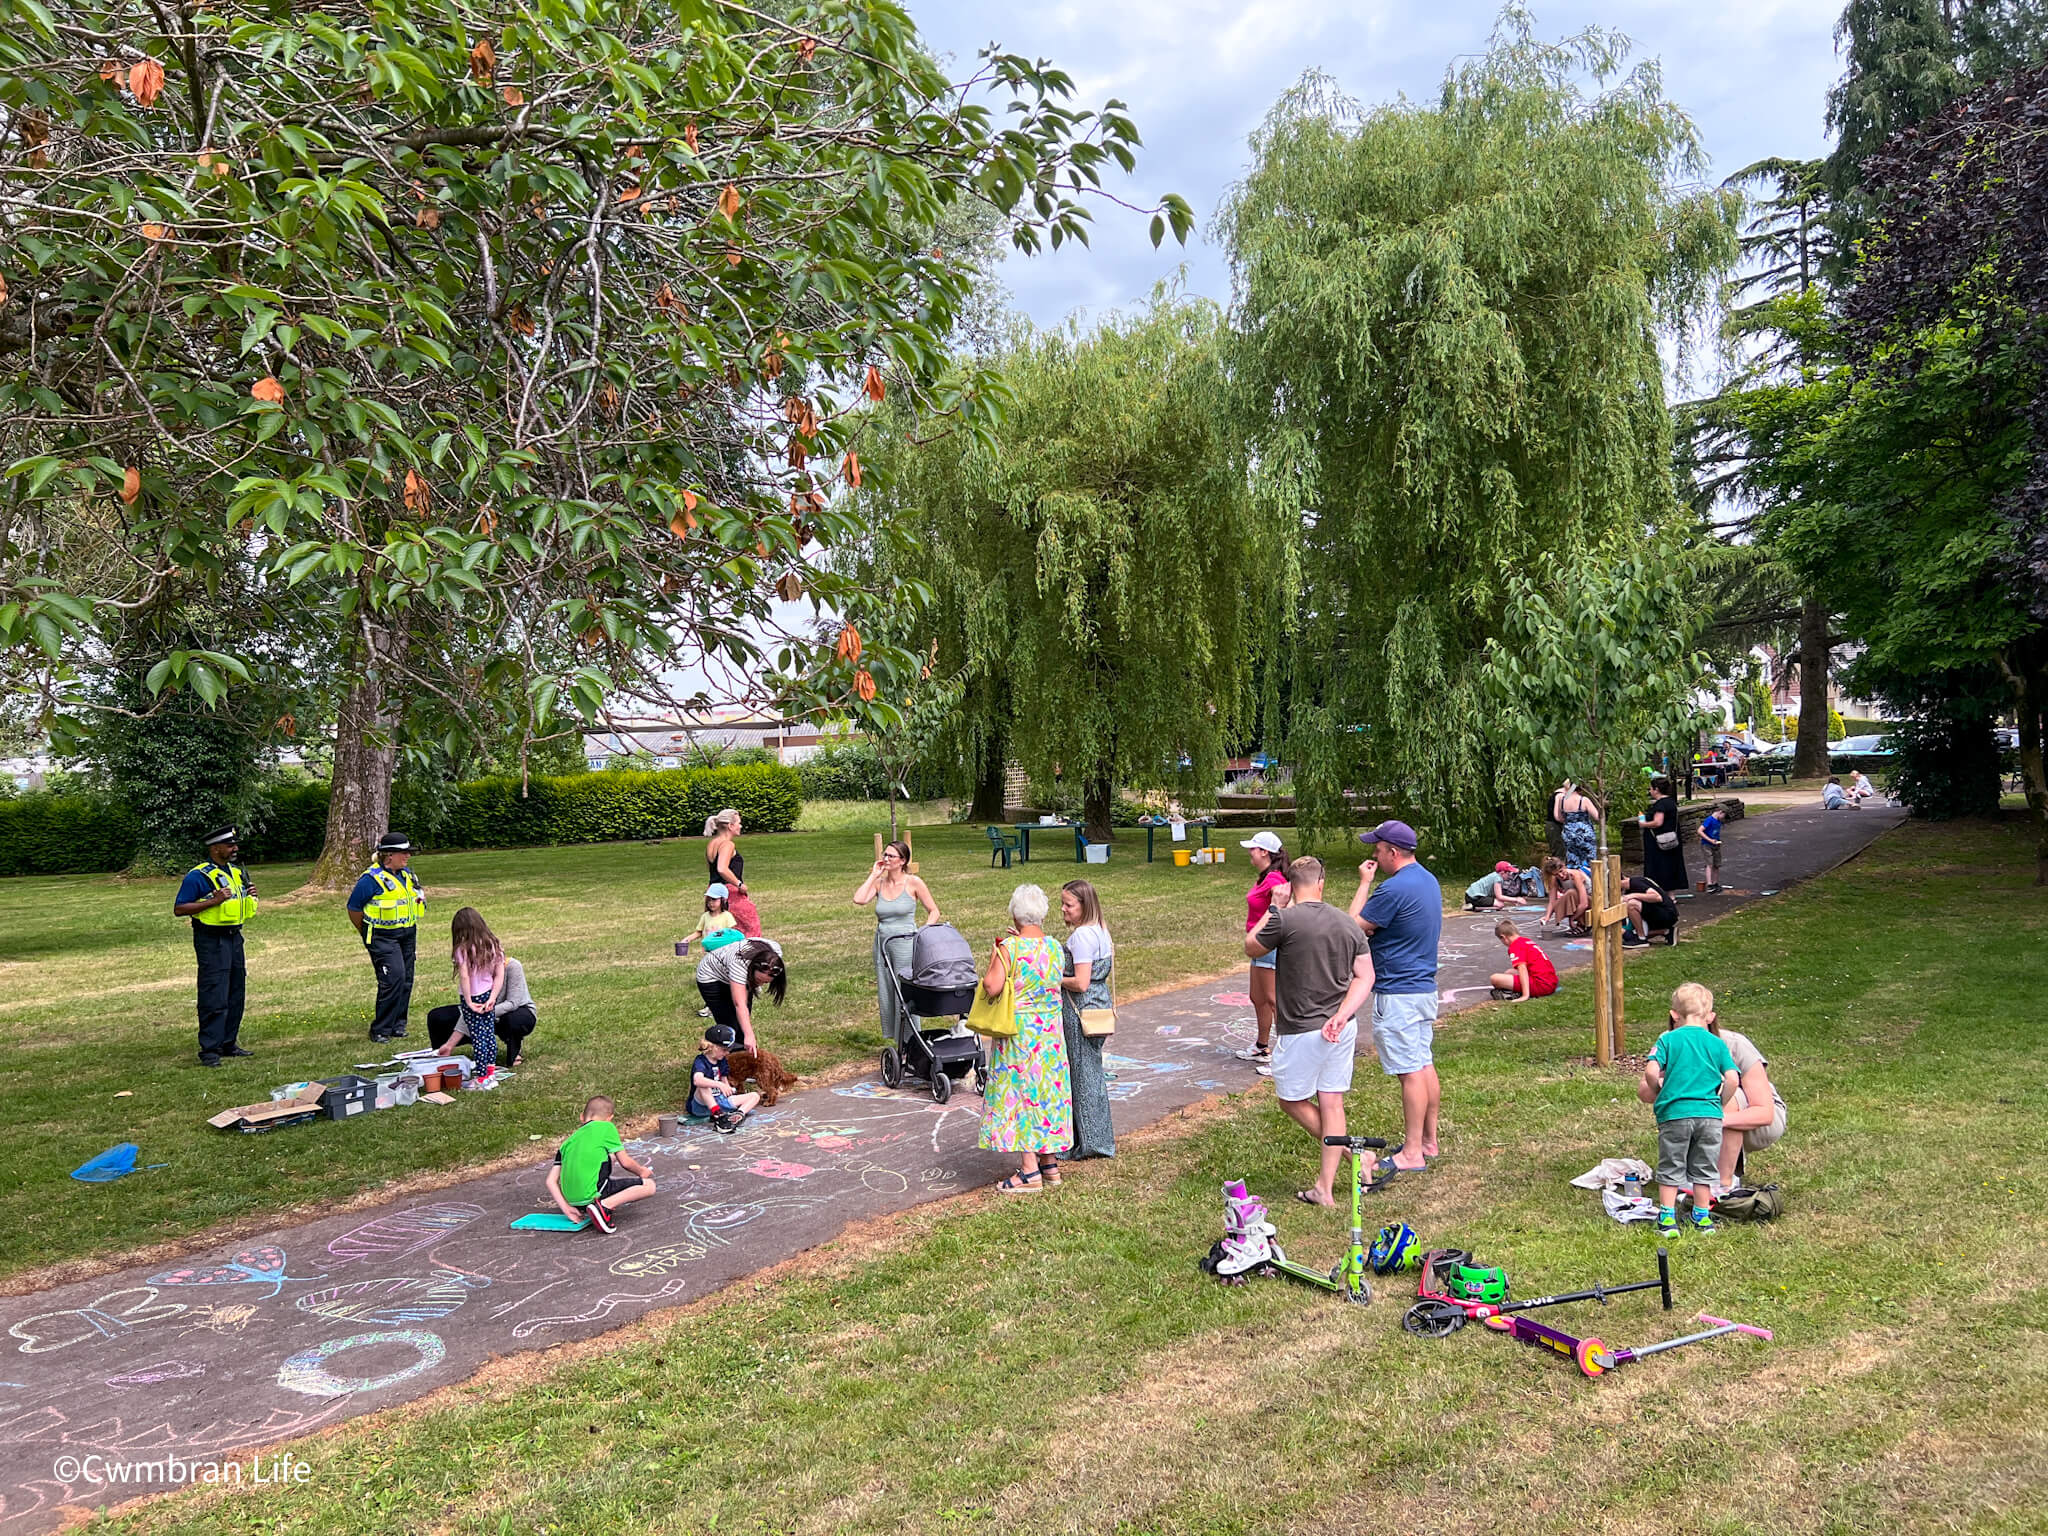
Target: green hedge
(73, 835)
(64, 835)
(607, 807)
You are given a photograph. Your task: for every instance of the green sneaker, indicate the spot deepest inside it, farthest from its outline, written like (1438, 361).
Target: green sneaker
(1667, 1224)
(1702, 1222)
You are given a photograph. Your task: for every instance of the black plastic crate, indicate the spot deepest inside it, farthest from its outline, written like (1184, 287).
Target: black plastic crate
(348, 1095)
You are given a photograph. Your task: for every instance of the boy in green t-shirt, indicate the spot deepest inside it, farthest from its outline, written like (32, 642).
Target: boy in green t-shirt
(1690, 1077)
(582, 1180)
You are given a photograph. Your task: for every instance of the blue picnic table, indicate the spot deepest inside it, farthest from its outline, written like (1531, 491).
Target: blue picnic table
(1152, 827)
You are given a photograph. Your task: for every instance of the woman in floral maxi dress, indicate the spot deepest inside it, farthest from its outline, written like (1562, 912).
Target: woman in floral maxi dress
(1029, 1105)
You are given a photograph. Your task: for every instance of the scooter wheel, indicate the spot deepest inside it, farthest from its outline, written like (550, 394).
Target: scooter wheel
(1432, 1320)
(1360, 1296)
(1590, 1356)
(892, 1067)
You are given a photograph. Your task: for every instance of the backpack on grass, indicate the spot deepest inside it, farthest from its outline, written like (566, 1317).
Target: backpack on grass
(1764, 1204)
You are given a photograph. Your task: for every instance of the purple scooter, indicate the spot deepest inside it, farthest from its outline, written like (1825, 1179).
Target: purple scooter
(1593, 1357)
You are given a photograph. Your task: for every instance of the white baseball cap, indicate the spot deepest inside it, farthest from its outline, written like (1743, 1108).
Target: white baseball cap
(1265, 840)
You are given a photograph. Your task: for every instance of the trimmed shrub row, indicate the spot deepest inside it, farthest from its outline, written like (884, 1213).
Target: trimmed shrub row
(64, 835)
(73, 835)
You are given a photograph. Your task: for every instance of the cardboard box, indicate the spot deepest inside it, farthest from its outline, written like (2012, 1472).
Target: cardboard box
(271, 1113)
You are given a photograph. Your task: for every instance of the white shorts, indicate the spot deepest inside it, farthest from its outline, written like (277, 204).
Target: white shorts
(1306, 1065)
(1404, 1030)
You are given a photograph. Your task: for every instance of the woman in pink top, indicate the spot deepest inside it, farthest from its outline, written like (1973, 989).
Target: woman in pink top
(1269, 865)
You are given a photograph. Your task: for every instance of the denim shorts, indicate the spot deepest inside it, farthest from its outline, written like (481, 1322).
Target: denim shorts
(1269, 961)
(1404, 1030)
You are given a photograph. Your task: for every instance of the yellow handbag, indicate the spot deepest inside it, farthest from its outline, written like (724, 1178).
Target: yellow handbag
(1100, 1023)
(995, 1017)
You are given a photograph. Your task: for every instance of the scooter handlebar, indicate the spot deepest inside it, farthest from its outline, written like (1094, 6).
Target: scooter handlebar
(1356, 1143)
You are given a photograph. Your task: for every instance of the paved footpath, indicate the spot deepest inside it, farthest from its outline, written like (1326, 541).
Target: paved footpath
(272, 1338)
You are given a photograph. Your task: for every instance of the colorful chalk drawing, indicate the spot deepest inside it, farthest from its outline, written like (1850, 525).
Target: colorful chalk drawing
(307, 1371)
(106, 1317)
(401, 1232)
(864, 1091)
(152, 1375)
(219, 1319)
(658, 1261)
(603, 1307)
(394, 1301)
(1120, 1091)
(1167, 1029)
(1233, 999)
(252, 1266)
(775, 1168)
(1208, 1083)
(1587, 944)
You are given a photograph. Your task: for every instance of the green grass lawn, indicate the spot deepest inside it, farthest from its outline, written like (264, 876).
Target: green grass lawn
(96, 999)
(1056, 1364)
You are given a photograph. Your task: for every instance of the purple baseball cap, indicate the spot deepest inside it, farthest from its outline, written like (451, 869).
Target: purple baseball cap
(1398, 833)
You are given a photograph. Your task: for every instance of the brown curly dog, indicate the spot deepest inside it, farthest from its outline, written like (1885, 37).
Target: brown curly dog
(764, 1068)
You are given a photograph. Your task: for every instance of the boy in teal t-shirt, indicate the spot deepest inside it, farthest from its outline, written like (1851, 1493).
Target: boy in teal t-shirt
(583, 1181)
(1689, 1077)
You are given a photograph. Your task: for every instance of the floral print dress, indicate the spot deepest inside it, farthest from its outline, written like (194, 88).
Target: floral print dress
(1030, 1101)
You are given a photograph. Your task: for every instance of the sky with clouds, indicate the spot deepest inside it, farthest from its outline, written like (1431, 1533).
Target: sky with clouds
(1199, 75)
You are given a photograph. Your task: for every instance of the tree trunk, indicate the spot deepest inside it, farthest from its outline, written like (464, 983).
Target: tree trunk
(365, 753)
(2031, 687)
(1096, 800)
(989, 789)
(1810, 756)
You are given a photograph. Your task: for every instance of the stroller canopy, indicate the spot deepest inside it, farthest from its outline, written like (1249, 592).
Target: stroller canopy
(941, 959)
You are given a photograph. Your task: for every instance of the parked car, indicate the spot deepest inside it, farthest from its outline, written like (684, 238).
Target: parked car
(2008, 738)
(1779, 749)
(1860, 746)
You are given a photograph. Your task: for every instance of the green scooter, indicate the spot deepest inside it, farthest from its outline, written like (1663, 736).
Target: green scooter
(1249, 1247)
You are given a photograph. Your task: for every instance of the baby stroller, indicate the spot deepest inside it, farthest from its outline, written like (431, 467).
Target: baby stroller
(939, 984)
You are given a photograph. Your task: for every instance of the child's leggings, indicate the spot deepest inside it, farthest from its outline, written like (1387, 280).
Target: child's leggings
(481, 1025)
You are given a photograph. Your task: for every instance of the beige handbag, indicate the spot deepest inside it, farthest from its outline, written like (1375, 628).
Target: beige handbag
(1100, 1023)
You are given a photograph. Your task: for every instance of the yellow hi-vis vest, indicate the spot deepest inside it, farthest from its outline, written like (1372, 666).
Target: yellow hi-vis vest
(231, 913)
(400, 903)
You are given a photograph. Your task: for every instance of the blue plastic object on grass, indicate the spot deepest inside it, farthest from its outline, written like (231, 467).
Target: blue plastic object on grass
(114, 1163)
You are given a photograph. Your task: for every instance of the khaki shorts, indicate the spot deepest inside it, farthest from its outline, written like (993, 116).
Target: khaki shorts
(1762, 1136)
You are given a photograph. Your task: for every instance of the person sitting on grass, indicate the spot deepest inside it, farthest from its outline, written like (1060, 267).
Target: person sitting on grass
(1833, 797)
(1529, 973)
(1483, 894)
(1689, 1080)
(711, 1095)
(1571, 895)
(583, 1180)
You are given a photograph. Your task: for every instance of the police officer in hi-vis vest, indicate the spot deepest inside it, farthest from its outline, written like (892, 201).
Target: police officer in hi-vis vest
(219, 897)
(386, 906)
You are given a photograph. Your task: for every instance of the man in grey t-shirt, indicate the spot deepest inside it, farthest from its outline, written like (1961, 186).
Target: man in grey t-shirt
(1323, 975)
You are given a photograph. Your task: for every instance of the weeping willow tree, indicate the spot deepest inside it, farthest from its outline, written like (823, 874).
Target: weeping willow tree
(1098, 578)
(1447, 352)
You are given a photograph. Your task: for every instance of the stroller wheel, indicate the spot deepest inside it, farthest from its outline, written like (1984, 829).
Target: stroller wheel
(892, 1067)
(942, 1085)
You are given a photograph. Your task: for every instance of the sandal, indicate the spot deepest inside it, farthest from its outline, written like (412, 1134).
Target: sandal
(1049, 1173)
(1306, 1198)
(1019, 1184)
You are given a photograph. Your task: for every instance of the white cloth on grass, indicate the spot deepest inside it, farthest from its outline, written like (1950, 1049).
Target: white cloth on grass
(1610, 1172)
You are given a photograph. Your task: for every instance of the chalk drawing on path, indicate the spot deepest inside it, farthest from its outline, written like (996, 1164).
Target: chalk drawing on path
(659, 1260)
(105, 1317)
(775, 1168)
(402, 1232)
(161, 1371)
(308, 1372)
(219, 1319)
(1167, 1029)
(1121, 1091)
(394, 1301)
(601, 1308)
(863, 1091)
(252, 1266)
(1233, 999)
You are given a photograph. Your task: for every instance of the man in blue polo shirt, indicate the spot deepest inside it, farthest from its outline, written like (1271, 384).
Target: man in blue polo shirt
(1403, 919)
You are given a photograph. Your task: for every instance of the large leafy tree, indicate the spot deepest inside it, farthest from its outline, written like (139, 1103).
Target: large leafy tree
(1929, 446)
(1449, 321)
(524, 345)
(1098, 578)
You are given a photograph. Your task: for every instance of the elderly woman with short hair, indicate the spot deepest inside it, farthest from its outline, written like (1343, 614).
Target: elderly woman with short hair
(1029, 1102)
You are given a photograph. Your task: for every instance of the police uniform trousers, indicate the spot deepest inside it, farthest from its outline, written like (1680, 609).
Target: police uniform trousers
(392, 952)
(223, 979)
